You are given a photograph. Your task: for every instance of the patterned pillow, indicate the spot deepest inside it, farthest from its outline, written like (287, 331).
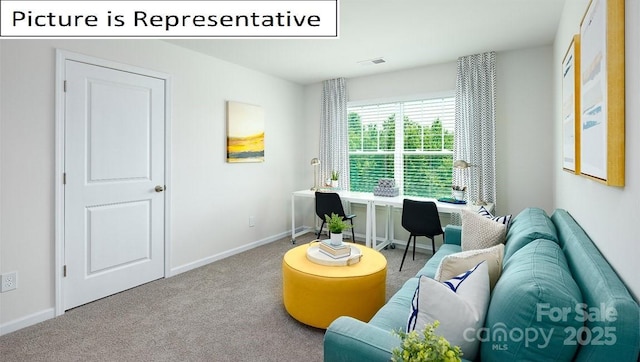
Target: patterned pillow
(456, 263)
(479, 232)
(505, 220)
(460, 304)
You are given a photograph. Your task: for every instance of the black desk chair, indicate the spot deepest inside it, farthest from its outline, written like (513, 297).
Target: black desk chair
(328, 203)
(420, 218)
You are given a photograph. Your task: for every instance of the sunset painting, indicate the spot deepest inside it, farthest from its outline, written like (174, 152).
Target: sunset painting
(245, 133)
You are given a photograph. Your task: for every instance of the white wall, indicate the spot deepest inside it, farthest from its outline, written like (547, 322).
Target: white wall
(609, 215)
(525, 178)
(524, 129)
(211, 200)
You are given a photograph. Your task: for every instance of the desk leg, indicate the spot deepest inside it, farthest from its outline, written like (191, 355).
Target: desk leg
(371, 226)
(390, 230)
(293, 219)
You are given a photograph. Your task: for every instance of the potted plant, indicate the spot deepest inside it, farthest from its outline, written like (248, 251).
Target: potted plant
(425, 347)
(336, 225)
(334, 178)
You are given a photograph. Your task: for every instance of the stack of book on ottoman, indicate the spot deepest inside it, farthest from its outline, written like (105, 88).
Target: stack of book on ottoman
(334, 251)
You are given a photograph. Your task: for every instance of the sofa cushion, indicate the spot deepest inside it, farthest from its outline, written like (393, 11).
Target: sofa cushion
(604, 295)
(459, 303)
(431, 267)
(533, 307)
(529, 225)
(479, 232)
(454, 264)
(393, 315)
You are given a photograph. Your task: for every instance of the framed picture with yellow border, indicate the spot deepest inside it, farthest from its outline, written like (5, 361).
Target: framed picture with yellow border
(602, 116)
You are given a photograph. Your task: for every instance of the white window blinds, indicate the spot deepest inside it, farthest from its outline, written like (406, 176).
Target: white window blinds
(411, 142)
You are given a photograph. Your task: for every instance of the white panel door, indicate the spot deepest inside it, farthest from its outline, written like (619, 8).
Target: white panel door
(114, 166)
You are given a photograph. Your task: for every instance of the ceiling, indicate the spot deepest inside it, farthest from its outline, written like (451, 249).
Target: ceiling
(406, 33)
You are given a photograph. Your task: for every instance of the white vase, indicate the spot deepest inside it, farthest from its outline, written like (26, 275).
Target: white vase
(336, 239)
(334, 183)
(458, 194)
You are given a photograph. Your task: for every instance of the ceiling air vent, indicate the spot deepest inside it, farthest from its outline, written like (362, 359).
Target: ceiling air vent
(372, 61)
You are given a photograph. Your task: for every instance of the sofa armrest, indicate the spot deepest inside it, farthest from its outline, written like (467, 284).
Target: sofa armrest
(453, 234)
(348, 339)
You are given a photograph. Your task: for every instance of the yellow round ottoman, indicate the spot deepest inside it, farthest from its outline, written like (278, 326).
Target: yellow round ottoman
(316, 294)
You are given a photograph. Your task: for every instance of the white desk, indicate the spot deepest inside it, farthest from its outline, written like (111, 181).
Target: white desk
(371, 201)
(364, 198)
(397, 202)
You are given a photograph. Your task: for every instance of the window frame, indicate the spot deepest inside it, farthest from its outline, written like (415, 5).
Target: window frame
(399, 153)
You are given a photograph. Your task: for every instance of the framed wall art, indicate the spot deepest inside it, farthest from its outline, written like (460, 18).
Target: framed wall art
(245, 133)
(602, 149)
(571, 107)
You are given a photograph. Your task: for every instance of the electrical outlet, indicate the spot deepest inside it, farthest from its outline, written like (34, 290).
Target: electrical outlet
(252, 221)
(9, 281)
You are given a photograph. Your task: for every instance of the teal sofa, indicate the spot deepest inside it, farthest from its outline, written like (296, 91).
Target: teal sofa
(557, 299)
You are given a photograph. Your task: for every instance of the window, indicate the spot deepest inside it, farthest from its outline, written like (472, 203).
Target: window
(410, 141)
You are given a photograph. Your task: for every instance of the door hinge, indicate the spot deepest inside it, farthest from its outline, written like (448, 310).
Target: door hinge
(64, 178)
(64, 86)
(64, 271)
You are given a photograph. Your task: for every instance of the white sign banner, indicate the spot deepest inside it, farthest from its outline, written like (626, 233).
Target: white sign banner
(170, 19)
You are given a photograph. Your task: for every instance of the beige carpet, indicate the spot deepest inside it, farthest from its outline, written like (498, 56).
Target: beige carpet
(229, 310)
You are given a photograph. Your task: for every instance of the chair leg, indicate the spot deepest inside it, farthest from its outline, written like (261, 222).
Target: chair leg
(320, 231)
(353, 233)
(433, 246)
(405, 252)
(414, 247)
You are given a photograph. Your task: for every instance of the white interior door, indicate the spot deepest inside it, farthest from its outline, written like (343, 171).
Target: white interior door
(114, 168)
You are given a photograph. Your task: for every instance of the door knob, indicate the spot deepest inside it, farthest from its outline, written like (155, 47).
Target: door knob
(159, 188)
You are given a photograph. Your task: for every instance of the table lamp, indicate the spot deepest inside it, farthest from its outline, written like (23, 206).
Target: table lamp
(315, 162)
(461, 164)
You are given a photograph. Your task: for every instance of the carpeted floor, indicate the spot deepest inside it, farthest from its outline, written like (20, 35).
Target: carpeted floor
(229, 310)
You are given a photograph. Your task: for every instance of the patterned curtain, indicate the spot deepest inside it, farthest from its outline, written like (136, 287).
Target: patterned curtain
(475, 125)
(334, 137)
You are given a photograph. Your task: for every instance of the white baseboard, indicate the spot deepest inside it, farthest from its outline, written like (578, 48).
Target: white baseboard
(210, 259)
(27, 321)
(49, 313)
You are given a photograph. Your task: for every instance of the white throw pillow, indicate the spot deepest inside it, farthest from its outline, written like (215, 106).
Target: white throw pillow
(460, 304)
(479, 232)
(454, 264)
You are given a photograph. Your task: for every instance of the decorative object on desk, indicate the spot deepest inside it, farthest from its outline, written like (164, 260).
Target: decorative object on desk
(245, 133)
(451, 200)
(428, 347)
(458, 192)
(336, 225)
(335, 251)
(386, 187)
(315, 162)
(463, 165)
(602, 92)
(334, 179)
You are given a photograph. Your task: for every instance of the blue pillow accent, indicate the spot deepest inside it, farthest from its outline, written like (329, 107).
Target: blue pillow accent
(413, 317)
(455, 282)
